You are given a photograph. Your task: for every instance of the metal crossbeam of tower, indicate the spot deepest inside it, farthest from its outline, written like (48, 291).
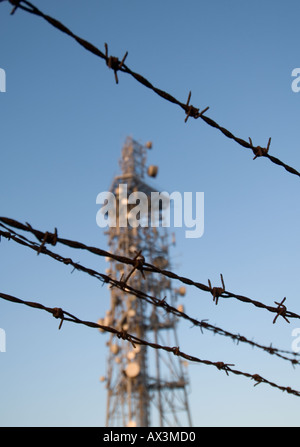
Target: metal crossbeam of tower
(145, 387)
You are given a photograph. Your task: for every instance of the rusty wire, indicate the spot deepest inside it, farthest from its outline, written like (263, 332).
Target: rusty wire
(123, 285)
(116, 65)
(63, 315)
(217, 292)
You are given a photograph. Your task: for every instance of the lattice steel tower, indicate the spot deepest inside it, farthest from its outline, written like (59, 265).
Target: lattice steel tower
(145, 386)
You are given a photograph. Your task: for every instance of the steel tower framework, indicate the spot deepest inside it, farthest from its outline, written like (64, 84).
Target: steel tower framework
(138, 380)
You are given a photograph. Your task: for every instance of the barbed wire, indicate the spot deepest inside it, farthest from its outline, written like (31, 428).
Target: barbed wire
(216, 292)
(63, 315)
(120, 284)
(119, 66)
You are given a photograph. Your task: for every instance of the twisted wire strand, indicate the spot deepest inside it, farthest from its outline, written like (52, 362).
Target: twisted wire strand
(12, 235)
(117, 65)
(280, 309)
(67, 316)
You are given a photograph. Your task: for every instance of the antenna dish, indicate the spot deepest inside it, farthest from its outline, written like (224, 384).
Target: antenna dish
(131, 313)
(180, 308)
(114, 349)
(160, 262)
(132, 370)
(131, 355)
(182, 291)
(152, 171)
(131, 424)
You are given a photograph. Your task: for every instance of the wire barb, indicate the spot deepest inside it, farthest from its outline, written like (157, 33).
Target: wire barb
(258, 150)
(138, 262)
(224, 366)
(49, 238)
(113, 62)
(176, 350)
(258, 379)
(57, 312)
(281, 311)
(191, 110)
(16, 4)
(217, 291)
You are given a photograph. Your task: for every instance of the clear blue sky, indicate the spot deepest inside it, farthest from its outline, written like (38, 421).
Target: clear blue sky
(63, 124)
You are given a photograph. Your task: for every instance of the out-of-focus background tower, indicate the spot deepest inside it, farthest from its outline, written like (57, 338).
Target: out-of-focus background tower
(145, 387)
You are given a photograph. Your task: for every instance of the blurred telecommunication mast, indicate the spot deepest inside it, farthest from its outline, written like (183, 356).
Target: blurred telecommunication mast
(139, 379)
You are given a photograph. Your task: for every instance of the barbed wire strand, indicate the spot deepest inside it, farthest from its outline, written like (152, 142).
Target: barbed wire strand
(217, 292)
(11, 235)
(116, 65)
(63, 315)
